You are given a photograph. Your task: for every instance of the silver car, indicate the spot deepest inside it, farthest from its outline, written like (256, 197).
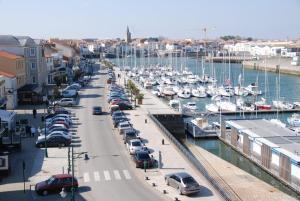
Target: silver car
(183, 182)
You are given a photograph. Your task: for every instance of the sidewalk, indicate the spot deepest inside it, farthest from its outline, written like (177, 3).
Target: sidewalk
(38, 168)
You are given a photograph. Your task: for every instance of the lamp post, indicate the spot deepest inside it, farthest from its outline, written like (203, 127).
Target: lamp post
(46, 150)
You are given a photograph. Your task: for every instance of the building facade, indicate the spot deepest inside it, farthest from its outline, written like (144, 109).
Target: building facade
(10, 91)
(15, 65)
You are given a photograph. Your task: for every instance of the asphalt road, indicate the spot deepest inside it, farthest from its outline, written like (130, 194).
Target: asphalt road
(108, 175)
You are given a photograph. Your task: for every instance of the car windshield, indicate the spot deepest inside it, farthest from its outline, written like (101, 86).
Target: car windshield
(136, 144)
(50, 180)
(143, 156)
(188, 180)
(130, 134)
(124, 125)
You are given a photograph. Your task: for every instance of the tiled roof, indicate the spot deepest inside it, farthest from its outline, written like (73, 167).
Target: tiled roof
(9, 40)
(9, 55)
(7, 74)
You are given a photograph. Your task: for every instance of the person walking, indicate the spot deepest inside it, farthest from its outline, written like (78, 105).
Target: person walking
(34, 113)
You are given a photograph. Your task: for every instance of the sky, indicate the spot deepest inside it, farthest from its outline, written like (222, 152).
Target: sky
(176, 19)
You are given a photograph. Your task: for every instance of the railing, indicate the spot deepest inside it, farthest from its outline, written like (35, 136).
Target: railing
(224, 189)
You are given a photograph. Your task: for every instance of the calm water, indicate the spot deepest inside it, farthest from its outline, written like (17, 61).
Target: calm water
(225, 152)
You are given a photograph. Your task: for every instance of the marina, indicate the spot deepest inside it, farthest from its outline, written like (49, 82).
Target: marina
(190, 94)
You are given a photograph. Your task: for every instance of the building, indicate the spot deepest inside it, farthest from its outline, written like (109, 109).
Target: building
(2, 92)
(10, 100)
(128, 36)
(271, 146)
(33, 55)
(15, 65)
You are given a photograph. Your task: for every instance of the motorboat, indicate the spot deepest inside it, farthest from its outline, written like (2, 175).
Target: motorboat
(282, 105)
(212, 107)
(226, 105)
(191, 106)
(244, 106)
(168, 91)
(294, 120)
(253, 89)
(184, 94)
(240, 91)
(199, 127)
(262, 105)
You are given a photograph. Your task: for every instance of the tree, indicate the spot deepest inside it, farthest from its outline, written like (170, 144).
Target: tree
(56, 93)
(60, 79)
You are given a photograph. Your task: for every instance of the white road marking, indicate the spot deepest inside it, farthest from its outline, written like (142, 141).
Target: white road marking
(117, 175)
(107, 175)
(86, 177)
(97, 176)
(126, 174)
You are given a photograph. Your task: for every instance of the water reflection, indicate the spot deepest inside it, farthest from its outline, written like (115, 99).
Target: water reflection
(228, 154)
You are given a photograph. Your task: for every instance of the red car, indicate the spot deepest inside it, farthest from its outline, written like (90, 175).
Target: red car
(55, 184)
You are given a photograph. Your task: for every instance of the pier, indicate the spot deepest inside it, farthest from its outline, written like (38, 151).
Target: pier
(272, 111)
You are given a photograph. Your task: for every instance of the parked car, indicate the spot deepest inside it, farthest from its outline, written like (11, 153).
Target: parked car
(183, 182)
(142, 158)
(130, 135)
(65, 102)
(97, 110)
(57, 133)
(53, 141)
(72, 87)
(59, 120)
(124, 126)
(69, 93)
(134, 146)
(114, 108)
(56, 183)
(119, 119)
(125, 106)
(56, 128)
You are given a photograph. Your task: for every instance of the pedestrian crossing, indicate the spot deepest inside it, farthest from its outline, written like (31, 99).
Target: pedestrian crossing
(106, 175)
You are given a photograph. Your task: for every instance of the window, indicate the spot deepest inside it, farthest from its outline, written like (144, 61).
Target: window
(32, 52)
(33, 65)
(33, 80)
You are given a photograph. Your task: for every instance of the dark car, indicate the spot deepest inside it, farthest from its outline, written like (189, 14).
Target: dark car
(53, 141)
(118, 120)
(97, 110)
(130, 135)
(55, 184)
(124, 106)
(142, 159)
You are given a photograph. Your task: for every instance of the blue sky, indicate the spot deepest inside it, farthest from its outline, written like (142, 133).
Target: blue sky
(169, 18)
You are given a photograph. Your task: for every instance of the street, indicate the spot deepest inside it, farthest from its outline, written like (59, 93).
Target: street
(108, 174)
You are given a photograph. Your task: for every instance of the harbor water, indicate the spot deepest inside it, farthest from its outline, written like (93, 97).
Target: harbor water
(273, 85)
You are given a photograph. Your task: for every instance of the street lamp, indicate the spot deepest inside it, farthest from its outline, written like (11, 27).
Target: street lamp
(46, 150)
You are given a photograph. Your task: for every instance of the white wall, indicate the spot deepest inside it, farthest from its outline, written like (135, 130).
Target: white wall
(256, 148)
(275, 159)
(295, 171)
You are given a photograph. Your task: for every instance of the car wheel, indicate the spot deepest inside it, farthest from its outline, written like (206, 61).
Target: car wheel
(62, 145)
(136, 165)
(45, 193)
(40, 146)
(70, 104)
(179, 190)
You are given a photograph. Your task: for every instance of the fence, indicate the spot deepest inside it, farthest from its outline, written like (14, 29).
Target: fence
(213, 178)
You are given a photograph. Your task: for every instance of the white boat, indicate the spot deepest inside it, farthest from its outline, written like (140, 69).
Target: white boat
(225, 105)
(190, 106)
(198, 93)
(199, 127)
(244, 106)
(168, 91)
(240, 91)
(212, 107)
(282, 105)
(253, 89)
(294, 120)
(192, 79)
(211, 90)
(202, 92)
(184, 94)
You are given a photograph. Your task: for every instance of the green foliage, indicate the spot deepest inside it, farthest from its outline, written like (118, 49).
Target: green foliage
(60, 79)
(56, 93)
